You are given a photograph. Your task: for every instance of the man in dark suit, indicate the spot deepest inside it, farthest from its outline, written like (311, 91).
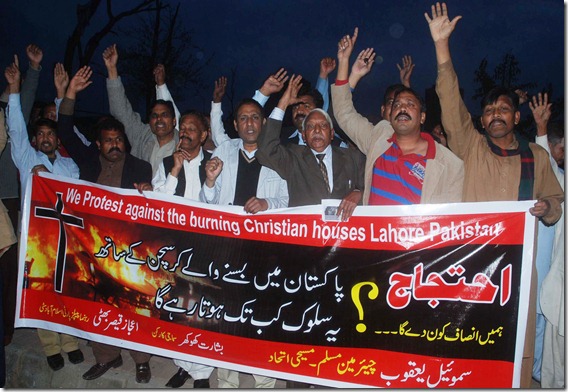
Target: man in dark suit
(109, 164)
(316, 170)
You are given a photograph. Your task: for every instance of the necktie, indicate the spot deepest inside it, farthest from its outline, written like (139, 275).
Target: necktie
(323, 169)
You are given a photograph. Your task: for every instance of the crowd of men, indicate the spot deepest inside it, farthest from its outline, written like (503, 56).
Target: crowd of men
(393, 162)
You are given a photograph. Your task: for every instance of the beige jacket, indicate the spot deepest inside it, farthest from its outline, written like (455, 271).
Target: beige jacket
(443, 181)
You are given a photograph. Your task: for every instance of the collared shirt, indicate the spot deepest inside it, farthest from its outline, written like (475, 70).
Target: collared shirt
(398, 178)
(111, 172)
(166, 183)
(159, 153)
(210, 192)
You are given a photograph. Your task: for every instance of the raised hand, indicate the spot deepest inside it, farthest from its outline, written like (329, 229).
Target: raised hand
(160, 74)
(35, 55)
(12, 74)
(60, 79)
(363, 63)
(406, 70)
(346, 44)
(110, 57)
(441, 27)
(290, 95)
(219, 90)
(540, 108)
(213, 168)
(274, 83)
(80, 81)
(327, 65)
(523, 96)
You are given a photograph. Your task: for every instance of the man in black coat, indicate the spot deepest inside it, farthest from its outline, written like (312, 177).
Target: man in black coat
(317, 170)
(109, 164)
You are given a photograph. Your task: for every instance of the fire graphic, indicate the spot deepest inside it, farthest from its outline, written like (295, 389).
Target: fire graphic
(127, 286)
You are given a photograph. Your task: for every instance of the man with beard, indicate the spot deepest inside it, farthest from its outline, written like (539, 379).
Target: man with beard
(499, 164)
(151, 142)
(186, 175)
(29, 162)
(108, 164)
(404, 165)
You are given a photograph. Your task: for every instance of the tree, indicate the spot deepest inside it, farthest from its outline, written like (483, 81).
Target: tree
(171, 45)
(505, 74)
(85, 13)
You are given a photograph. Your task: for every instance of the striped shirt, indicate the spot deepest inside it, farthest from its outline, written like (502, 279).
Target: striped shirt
(397, 178)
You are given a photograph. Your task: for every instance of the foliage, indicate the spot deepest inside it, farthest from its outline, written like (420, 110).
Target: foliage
(172, 45)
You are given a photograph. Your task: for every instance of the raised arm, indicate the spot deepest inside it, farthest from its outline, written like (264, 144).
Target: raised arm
(31, 81)
(271, 153)
(540, 108)
(357, 127)
(22, 151)
(162, 91)
(327, 65)
(119, 105)
(406, 70)
(218, 134)
(362, 66)
(81, 153)
(456, 120)
(273, 84)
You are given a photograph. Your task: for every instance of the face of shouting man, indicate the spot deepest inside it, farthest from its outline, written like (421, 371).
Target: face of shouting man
(192, 133)
(46, 140)
(406, 115)
(248, 124)
(301, 109)
(318, 131)
(162, 122)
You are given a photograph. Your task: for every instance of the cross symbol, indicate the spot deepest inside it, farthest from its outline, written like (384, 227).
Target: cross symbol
(57, 214)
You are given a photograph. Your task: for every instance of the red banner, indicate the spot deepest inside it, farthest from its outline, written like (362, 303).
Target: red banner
(405, 297)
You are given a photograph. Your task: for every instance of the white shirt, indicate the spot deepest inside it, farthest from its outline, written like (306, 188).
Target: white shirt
(168, 184)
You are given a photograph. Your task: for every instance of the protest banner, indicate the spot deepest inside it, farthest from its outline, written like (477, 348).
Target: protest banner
(406, 297)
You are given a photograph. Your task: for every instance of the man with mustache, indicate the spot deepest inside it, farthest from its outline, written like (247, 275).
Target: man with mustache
(404, 165)
(236, 177)
(499, 163)
(185, 168)
(151, 142)
(316, 170)
(186, 175)
(106, 163)
(30, 161)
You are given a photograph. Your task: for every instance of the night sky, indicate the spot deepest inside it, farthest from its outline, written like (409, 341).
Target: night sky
(261, 36)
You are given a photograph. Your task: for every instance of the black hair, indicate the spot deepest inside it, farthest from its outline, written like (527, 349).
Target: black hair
(405, 89)
(493, 95)
(555, 132)
(108, 124)
(390, 89)
(197, 114)
(168, 104)
(307, 89)
(248, 101)
(44, 122)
